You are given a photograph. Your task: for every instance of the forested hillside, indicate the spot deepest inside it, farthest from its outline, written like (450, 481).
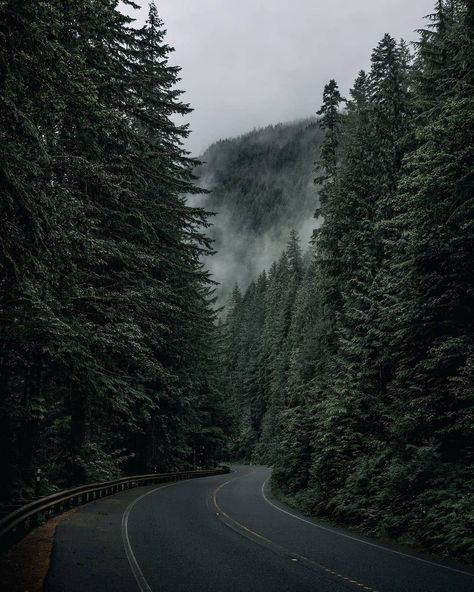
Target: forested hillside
(351, 369)
(107, 335)
(262, 186)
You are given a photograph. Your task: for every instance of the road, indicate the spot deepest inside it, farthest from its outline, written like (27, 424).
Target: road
(228, 533)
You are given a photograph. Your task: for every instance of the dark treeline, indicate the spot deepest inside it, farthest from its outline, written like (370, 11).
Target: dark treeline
(352, 367)
(107, 332)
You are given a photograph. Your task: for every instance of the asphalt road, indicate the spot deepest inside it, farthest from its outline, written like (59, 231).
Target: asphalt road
(227, 533)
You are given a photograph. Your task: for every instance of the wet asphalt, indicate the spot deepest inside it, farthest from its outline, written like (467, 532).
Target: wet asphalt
(229, 534)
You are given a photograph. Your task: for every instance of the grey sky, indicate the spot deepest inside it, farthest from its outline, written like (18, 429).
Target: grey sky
(249, 63)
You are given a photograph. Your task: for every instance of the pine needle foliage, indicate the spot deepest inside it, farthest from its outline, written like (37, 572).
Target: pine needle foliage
(108, 337)
(365, 357)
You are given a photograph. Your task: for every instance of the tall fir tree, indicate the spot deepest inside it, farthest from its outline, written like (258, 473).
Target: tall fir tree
(103, 294)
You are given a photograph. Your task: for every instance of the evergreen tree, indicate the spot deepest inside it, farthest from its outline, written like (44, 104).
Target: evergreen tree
(330, 122)
(430, 287)
(103, 293)
(367, 357)
(30, 71)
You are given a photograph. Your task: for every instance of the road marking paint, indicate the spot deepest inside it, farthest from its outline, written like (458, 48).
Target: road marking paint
(221, 511)
(353, 538)
(137, 572)
(295, 556)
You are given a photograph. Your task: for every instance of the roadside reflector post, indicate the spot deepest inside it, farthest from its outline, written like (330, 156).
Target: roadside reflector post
(37, 482)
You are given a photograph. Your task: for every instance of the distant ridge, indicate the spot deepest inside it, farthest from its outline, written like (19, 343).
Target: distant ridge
(262, 186)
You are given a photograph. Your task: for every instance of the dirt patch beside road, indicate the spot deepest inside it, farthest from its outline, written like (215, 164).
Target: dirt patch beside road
(24, 567)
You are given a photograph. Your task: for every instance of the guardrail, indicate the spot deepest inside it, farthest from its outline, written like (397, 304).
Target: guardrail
(18, 523)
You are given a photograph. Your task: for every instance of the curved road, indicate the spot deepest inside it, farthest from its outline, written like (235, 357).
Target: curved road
(227, 533)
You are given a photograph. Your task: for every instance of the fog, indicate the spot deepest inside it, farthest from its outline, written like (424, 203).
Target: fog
(242, 258)
(247, 64)
(269, 174)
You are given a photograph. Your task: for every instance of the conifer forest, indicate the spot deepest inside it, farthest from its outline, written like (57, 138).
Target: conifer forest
(346, 364)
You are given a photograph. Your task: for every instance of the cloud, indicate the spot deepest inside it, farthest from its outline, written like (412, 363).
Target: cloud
(250, 63)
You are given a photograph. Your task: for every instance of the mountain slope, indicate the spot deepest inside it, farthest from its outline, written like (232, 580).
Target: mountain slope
(262, 186)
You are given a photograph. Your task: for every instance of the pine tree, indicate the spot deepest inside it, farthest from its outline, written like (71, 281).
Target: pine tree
(366, 359)
(294, 448)
(431, 279)
(330, 122)
(32, 72)
(113, 323)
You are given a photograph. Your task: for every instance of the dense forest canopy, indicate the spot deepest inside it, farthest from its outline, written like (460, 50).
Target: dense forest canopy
(351, 368)
(107, 333)
(347, 365)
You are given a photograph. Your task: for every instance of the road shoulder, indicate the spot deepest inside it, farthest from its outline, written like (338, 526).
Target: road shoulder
(25, 566)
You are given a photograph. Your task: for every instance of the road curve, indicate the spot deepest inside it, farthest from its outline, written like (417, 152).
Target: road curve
(227, 533)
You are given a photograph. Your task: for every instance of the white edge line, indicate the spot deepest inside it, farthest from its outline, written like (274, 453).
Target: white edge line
(352, 538)
(137, 572)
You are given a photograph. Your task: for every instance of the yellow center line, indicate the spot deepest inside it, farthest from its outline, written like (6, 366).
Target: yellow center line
(222, 513)
(293, 556)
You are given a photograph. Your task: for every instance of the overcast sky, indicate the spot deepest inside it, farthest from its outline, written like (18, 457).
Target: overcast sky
(250, 63)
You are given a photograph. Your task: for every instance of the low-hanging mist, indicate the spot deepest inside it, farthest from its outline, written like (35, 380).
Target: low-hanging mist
(261, 187)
